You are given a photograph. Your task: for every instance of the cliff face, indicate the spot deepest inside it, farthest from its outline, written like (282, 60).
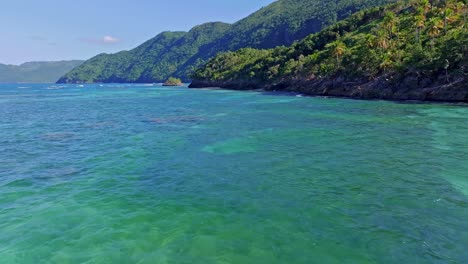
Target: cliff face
(409, 87)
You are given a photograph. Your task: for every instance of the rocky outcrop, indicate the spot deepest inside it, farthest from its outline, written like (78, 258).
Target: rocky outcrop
(232, 85)
(409, 87)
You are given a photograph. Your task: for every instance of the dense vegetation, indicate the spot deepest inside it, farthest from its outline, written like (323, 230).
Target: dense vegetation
(180, 53)
(172, 81)
(418, 38)
(153, 61)
(36, 72)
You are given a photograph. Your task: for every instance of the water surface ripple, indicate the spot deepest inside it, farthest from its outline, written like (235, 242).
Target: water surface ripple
(141, 174)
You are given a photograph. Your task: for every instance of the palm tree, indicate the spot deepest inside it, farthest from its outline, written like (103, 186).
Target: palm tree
(389, 22)
(447, 18)
(381, 40)
(434, 29)
(436, 25)
(420, 23)
(426, 6)
(371, 41)
(338, 50)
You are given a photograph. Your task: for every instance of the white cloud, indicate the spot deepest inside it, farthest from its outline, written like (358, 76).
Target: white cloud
(103, 41)
(110, 39)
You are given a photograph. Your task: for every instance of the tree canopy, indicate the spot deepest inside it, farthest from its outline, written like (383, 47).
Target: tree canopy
(417, 36)
(180, 53)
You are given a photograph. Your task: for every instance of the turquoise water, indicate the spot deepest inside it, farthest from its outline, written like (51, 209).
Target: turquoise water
(145, 174)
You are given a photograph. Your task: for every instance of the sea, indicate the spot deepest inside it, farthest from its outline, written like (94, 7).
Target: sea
(132, 173)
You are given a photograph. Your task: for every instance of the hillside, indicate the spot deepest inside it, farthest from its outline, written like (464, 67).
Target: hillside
(36, 72)
(153, 61)
(180, 53)
(410, 50)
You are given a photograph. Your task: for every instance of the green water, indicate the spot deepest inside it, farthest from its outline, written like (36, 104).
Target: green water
(140, 174)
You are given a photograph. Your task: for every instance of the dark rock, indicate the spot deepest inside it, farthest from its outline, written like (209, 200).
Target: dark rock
(412, 86)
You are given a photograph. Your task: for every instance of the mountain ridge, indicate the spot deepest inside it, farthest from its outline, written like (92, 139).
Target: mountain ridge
(36, 71)
(280, 23)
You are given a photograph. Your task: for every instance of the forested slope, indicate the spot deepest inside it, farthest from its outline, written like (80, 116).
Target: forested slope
(178, 54)
(409, 50)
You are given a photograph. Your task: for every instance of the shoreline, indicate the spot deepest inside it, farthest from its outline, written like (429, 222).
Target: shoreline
(296, 94)
(407, 90)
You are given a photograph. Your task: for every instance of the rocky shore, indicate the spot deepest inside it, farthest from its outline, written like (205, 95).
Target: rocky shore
(409, 87)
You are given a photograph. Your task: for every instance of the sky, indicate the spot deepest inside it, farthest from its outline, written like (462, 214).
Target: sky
(49, 30)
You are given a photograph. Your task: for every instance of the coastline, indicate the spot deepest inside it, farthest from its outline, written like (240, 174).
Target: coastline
(410, 88)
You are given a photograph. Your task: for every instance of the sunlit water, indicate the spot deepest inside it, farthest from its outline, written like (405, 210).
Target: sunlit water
(145, 174)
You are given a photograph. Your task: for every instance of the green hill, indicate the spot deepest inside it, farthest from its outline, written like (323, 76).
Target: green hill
(36, 72)
(153, 61)
(180, 53)
(409, 50)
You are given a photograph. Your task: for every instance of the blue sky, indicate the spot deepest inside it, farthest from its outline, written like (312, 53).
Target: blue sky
(33, 30)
